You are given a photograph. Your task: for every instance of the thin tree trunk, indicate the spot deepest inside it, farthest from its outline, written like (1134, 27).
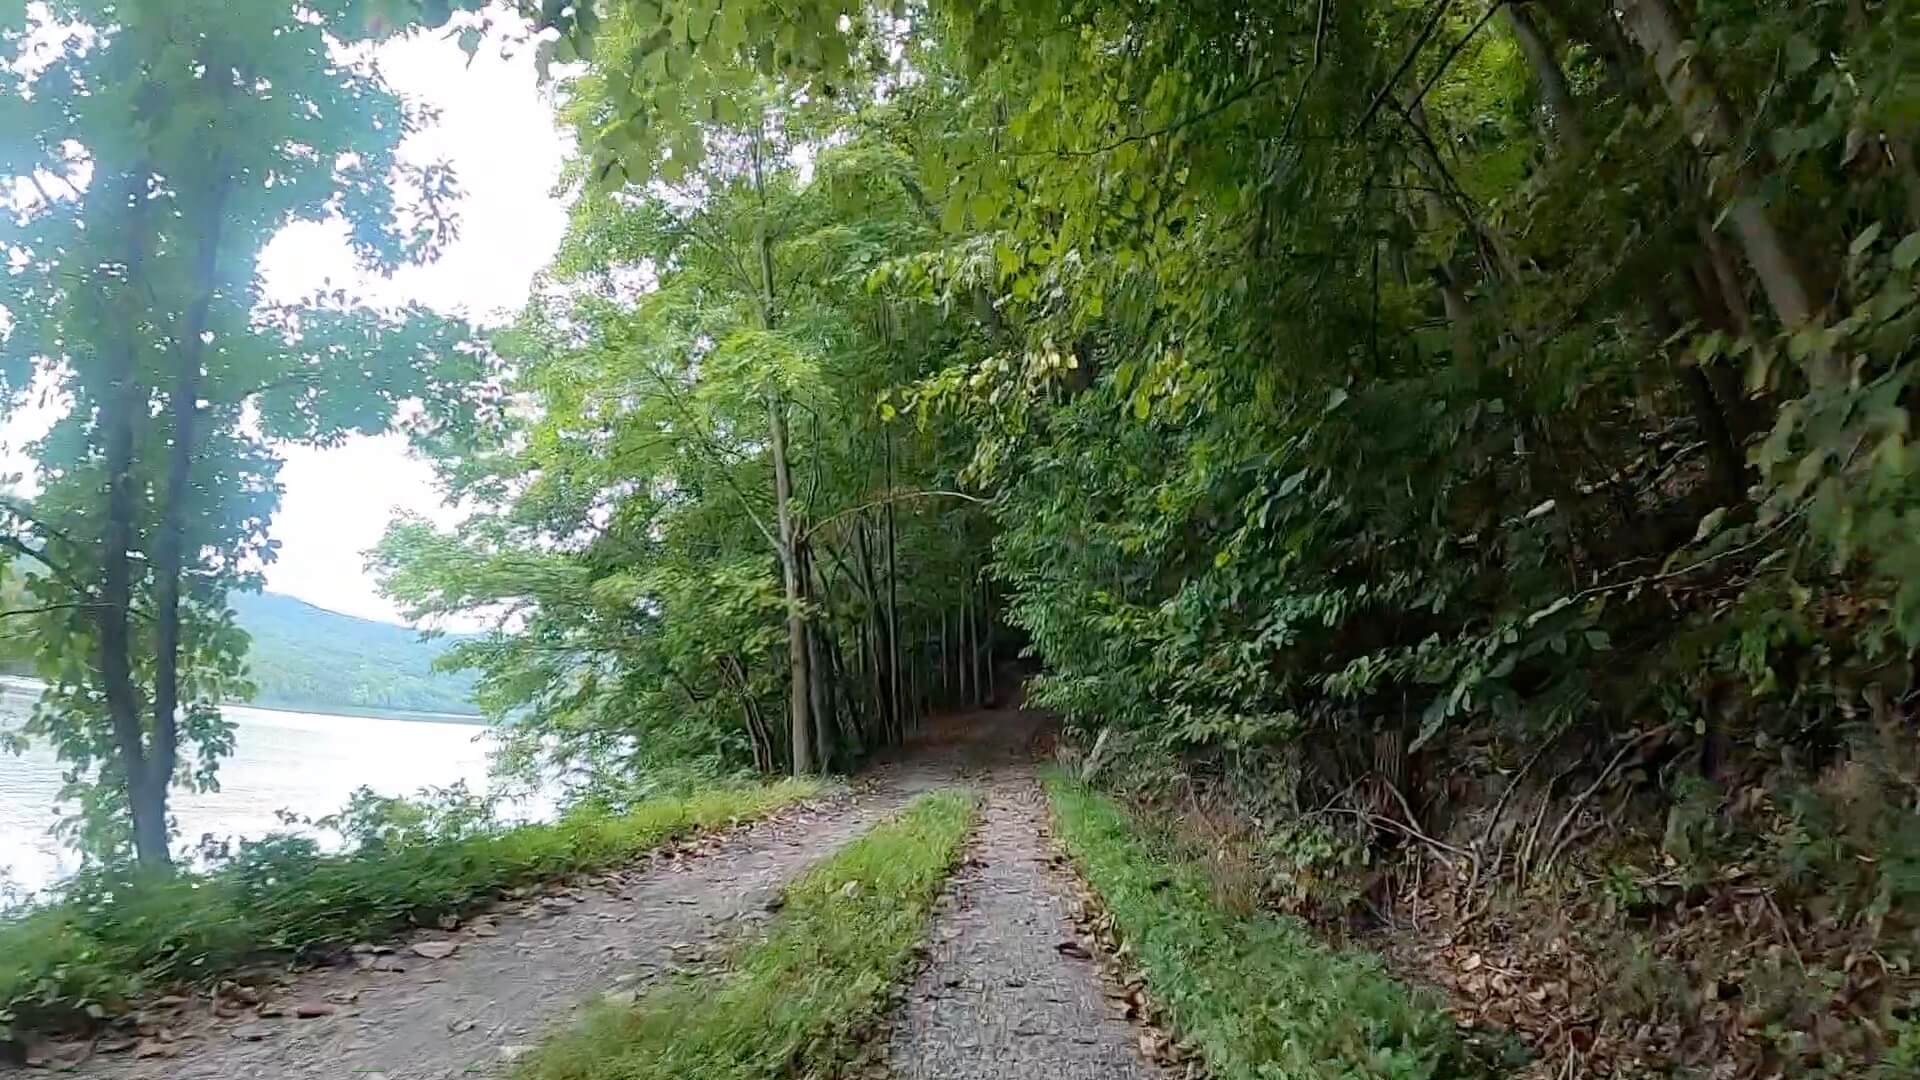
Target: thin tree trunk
(736, 678)
(817, 687)
(119, 409)
(893, 595)
(1657, 26)
(970, 648)
(799, 695)
(1724, 276)
(882, 669)
(982, 642)
(1551, 76)
(170, 544)
(993, 691)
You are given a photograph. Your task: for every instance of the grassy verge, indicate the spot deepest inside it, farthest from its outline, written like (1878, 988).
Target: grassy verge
(1260, 996)
(112, 937)
(794, 1003)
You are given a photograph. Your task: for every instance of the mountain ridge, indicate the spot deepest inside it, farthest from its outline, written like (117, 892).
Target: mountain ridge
(308, 657)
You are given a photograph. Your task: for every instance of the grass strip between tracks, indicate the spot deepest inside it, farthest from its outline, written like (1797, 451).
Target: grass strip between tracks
(796, 1002)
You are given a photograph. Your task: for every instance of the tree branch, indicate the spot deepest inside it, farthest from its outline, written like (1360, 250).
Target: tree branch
(1453, 53)
(888, 500)
(1406, 62)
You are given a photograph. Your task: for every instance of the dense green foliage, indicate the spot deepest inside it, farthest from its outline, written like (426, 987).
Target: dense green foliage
(712, 472)
(148, 152)
(113, 935)
(304, 657)
(794, 1003)
(1257, 994)
(1469, 429)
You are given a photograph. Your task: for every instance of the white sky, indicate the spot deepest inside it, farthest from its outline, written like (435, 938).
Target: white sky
(497, 130)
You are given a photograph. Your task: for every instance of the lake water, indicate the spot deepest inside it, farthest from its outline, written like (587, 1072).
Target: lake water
(304, 762)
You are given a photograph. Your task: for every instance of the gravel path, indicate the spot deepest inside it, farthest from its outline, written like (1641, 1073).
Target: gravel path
(1009, 993)
(468, 1014)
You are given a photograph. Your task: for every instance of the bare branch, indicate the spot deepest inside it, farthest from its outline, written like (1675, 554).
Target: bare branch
(896, 497)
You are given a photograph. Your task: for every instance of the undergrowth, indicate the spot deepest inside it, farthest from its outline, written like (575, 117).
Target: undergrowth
(114, 934)
(1257, 994)
(795, 1003)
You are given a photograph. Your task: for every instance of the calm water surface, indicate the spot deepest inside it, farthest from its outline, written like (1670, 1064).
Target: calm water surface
(304, 762)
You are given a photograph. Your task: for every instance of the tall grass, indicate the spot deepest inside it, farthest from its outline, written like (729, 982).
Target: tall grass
(794, 1003)
(113, 935)
(1259, 995)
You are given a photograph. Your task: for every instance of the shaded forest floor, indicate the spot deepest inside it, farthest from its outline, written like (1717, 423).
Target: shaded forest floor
(1004, 983)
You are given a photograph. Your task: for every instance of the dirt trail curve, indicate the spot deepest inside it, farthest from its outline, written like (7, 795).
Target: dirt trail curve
(998, 999)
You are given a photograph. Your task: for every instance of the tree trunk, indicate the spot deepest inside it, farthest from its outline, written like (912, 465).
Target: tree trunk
(881, 669)
(893, 598)
(119, 409)
(817, 687)
(169, 546)
(1727, 282)
(993, 691)
(799, 695)
(982, 629)
(1656, 25)
(735, 677)
(965, 657)
(1551, 76)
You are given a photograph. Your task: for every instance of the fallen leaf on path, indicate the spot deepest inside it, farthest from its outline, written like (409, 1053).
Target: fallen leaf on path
(435, 950)
(114, 1044)
(1073, 949)
(154, 1048)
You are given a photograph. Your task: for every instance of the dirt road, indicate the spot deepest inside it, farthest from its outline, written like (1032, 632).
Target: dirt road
(1000, 997)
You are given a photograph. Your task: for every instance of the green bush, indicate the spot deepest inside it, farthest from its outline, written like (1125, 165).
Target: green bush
(1259, 995)
(795, 1002)
(114, 934)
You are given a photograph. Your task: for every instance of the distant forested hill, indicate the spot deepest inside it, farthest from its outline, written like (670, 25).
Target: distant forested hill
(309, 658)
(305, 657)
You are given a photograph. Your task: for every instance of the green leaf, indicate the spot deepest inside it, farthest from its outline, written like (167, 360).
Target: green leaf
(1709, 524)
(1907, 252)
(1801, 54)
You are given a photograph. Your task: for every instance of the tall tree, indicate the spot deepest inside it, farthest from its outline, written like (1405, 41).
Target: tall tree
(160, 146)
